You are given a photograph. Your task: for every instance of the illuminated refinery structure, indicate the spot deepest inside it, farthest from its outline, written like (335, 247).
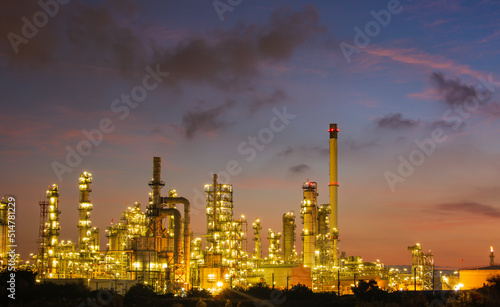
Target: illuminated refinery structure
(4, 227)
(155, 246)
(289, 251)
(422, 267)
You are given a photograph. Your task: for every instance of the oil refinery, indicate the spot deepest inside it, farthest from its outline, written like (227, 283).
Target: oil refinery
(154, 245)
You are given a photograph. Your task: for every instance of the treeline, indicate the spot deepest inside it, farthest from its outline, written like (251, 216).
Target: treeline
(28, 292)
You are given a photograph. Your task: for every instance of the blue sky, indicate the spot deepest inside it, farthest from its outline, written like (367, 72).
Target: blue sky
(225, 78)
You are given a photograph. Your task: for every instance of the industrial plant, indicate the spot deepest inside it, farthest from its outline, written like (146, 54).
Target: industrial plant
(154, 244)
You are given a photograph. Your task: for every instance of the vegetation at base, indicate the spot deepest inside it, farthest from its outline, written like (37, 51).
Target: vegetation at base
(366, 293)
(201, 293)
(139, 294)
(369, 291)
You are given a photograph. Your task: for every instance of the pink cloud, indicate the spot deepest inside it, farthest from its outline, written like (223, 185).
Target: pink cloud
(273, 69)
(428, 94)
(416, 57)
(319, 72)
(368, 103)
(128, 139)
(261, 183)
(23, 131)
(160, 33)
(437, 22)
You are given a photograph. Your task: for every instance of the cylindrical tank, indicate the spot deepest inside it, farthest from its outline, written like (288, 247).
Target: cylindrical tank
(323, 213)
(95, 239)
(288, 236)
(308, 213)
(118, 237)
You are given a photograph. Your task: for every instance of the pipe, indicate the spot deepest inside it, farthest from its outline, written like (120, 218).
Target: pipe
(163, 213)
(187, 228)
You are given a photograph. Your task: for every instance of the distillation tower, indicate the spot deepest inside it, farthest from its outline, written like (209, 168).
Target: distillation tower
(257, 229)
(289, 252)
(274, 255)
(225, 260)
(88, 237)
(308, 213)
(52, 230)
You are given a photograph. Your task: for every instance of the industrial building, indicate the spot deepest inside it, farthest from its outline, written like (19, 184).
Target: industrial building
(477, 277)
(155, 246)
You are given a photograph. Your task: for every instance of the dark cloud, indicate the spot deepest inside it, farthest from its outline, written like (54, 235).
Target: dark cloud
(470, 207)
(395, 122)
(277, 96)
(286, 31)
(92, 35)
(298, 169)
(96, 35)
(229, 59)
(305, 151)
(208, 120)
(356, 146)
(106, 34)
(320, 150)
(284, 153)
(453, 91)
(35, 51)
(125, 7)
(447, 125)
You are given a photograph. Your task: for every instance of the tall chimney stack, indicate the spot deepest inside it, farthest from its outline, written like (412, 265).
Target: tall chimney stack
(156, 184)
(333, 187)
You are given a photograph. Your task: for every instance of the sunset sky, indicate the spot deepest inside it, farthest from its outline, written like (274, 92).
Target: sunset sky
(191, 82)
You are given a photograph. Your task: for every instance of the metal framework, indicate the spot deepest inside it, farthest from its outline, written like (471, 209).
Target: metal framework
(422, 265)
